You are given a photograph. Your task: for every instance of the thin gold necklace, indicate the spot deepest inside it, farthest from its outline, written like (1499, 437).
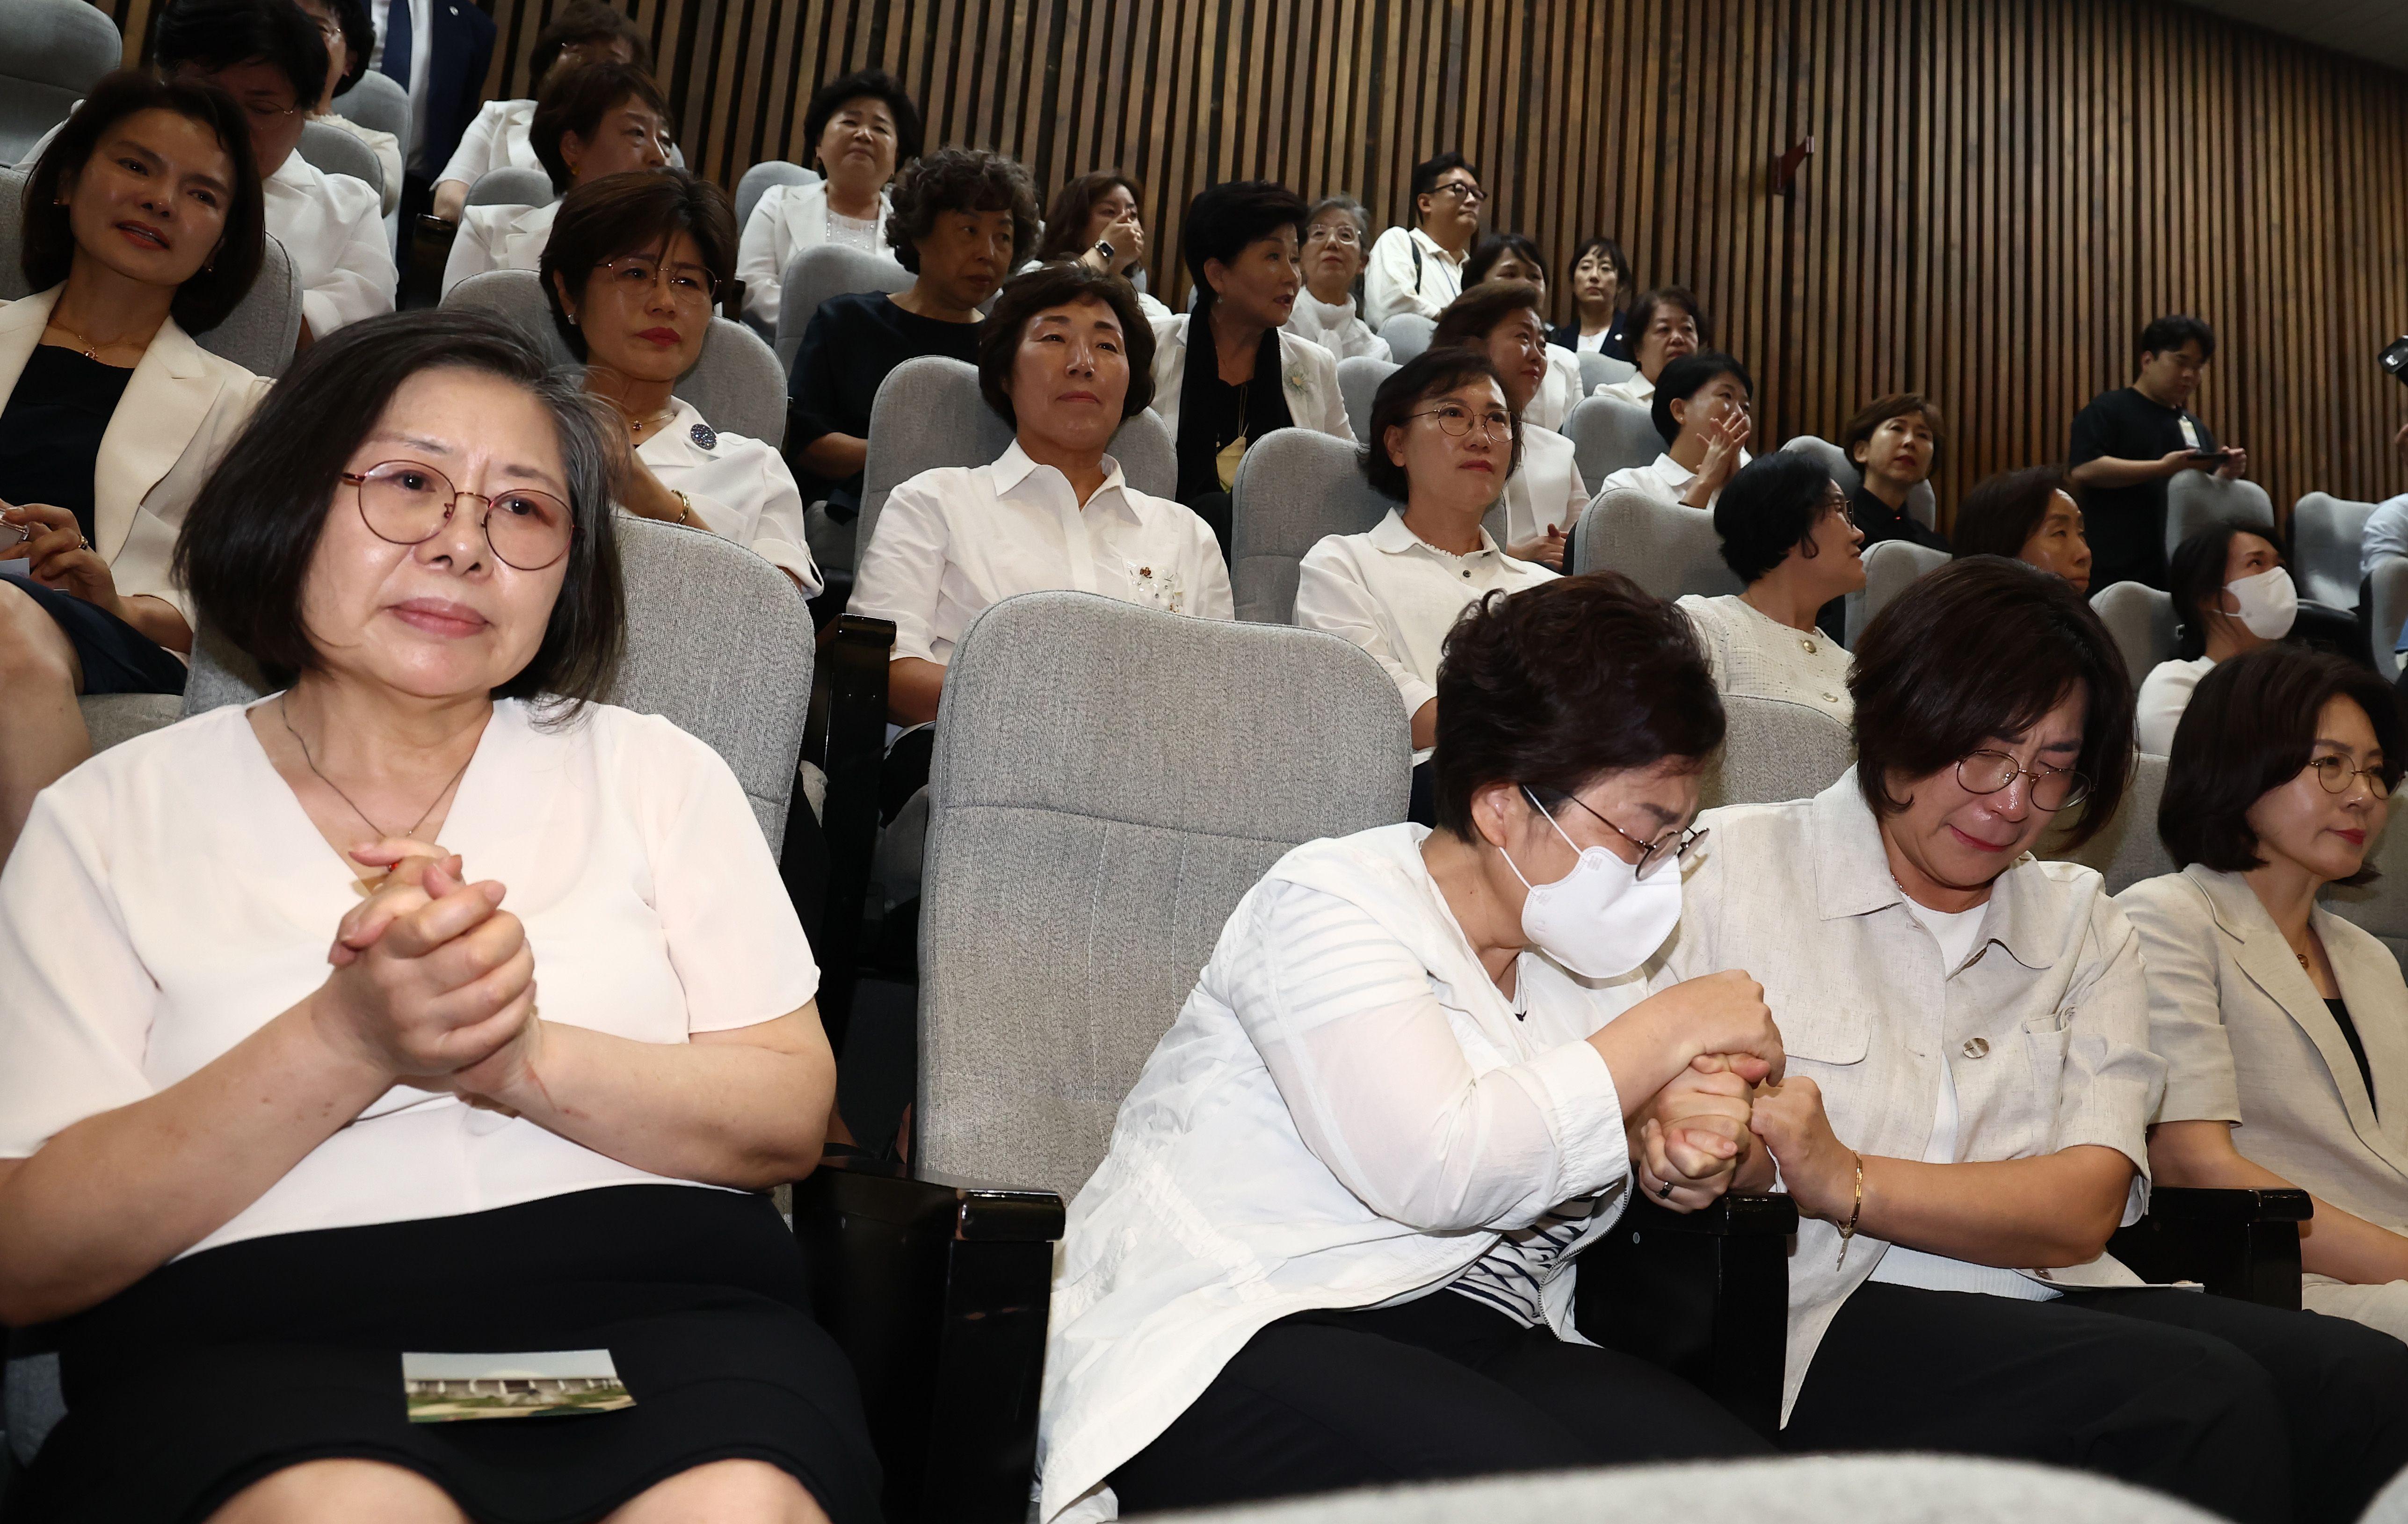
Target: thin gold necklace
(86, 347)
(410, 834)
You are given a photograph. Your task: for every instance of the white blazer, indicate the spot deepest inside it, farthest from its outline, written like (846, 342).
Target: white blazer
(332, 226)
(1308, 375)
(787, 220)
(498, 238)
(182, 407)
(1546, 489)
(497, 140)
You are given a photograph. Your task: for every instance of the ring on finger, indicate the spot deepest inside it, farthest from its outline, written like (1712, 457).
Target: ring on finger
(1664, 1191)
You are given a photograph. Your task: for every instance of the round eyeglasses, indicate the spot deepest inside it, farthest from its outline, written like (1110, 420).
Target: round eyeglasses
(406, 503)
(2052, 789)
(1456, 420)
(2334, 773)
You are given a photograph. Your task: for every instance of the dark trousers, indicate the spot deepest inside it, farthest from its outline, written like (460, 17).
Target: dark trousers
(1440, 1387)
(2247, 1411)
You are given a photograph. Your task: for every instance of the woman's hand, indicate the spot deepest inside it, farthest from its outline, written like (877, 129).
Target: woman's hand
(60, 556)
(438, 980)
(1546, 550)
(1726, 437)
(1693, 1135)
(1721, 1014)
(1819, 1170)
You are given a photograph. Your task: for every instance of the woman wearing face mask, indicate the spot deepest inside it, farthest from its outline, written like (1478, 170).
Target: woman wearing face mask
(1336, 241)
(1544, 496)
(1601, 293)
(2029, 516)
(1510, 256)
(1970, 1083)
(2231, 596)
(1335, 1238)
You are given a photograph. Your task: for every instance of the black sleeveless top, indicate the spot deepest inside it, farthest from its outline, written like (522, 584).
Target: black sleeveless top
(50, 432)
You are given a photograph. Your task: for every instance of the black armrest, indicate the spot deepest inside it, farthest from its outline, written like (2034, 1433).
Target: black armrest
(847, 738)
(2240, 1243)
(937, 1291)
(1703, 1294)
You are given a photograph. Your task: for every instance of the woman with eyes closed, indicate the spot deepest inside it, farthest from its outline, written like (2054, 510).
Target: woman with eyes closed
(142, 226)
(430, 1004)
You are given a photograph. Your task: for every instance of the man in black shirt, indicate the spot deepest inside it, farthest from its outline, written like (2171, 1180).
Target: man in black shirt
(2131, 441)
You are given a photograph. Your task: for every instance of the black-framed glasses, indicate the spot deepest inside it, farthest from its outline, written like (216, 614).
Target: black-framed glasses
(637, 276)
(403, 502)
(1681, 843)
(2333, 771)
(1456, 420)
(1463, 189)
(2052, 789)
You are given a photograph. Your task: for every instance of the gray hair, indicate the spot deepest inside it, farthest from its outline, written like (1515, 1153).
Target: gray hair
(1347, 204)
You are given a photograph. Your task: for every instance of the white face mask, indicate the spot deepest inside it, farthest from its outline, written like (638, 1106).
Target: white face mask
(1600, 920)
(2267, 603)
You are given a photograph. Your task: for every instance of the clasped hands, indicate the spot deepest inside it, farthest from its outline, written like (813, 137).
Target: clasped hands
(1693, 1140)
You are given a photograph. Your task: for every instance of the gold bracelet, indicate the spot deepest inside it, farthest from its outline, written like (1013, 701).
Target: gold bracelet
(685, 507)
(1848, 1228)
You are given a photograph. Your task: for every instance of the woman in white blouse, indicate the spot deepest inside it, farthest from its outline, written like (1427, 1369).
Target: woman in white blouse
(1335, 1240)
(586, 32)
(594, 121)
(1336, 240)
(1544, 496)
(2231, 597)
(1510, 256)
(1969, 1084)
(1094, 219)
(862, 129)
(1788, 536)
(1665, 323)
(1700, 407)
(110, 416)
(281, 1104)
(633, 270)
(2284, 1028)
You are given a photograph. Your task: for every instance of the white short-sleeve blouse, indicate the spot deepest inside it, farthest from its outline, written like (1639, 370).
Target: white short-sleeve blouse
(170, 897)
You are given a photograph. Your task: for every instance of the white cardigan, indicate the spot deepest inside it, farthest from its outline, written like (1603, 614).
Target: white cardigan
(1308, 375)
(787, 220)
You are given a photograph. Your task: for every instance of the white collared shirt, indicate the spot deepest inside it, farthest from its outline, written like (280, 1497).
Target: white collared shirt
(952, 542)
(2165, 693)
(1395, 594)
(739, 487)
(1336, 330)
(787, 220)
(1393, 284)
(497, 140)
(333, 226)
(1545, 490)
(1665, 479)
(1756, 655)
(1631, 388)
(498, 238)
(384, 145)
(1558, 393)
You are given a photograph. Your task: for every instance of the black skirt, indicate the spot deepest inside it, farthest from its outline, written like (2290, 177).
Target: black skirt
(219, 1368)
(116, 657)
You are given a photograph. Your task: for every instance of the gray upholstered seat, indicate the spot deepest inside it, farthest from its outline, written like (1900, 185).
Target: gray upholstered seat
(1602, 371)
(1888, 568)
(1610, 435)
(2141, 620)
(51, 54)
(1294, 489)
(111, 717)
(378, 102)
(2326, 534)
(2128, 849)
(2387, 600)
(511, 187)
(735, 384)
(1668, 550)
(331, 151)
(1358, 383)
(820, 272)
(2195, 500)
(755, 182)
(1922, 504)
(1108, 781)
(2382, 908)
(1775, 749)
(1408, 335)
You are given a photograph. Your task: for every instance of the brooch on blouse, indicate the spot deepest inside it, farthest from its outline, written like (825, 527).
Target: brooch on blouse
(1154, 589)
(702, 435)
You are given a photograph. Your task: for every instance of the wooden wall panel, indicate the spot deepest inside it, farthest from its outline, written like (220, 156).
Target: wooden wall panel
(2001, 191)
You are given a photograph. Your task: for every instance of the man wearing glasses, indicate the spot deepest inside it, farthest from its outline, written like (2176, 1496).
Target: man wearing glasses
(1420, 269)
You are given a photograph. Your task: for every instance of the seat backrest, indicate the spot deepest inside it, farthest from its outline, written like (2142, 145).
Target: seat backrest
(2128, 849)
(1408, 335)
(755, 182)
(718, 643)
(2141, 620)
(2387, 599)
(518, 296)
(376, 100)
(2326, 534)
(1610, 435)
(1602, 371)
(1108, 781)
(1922, 504)
(2195, 500)
(331, 151)
(1669, 551)
(51, 54)
(1294, 489)
(1358, 383)
(511, 187)
(1888, 568)
(1774, 750)
(820, 272)
(2382, 908)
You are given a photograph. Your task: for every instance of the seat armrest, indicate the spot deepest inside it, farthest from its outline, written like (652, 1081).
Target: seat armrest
(937, 1290)
(2240, 1243)
(848, 738)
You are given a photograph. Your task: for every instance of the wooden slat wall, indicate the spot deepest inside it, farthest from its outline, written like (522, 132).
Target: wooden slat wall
(2001, 191)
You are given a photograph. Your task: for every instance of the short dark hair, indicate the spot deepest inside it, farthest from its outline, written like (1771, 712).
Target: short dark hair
(1066, 220)
(251, 533)
(1982, 647)
(2195, 577)
(1471, 318)
(619, 214)
(1685, 378)
(1434, 372)
(2251, 727)
(1041, 289)
(1600, 244)
(1555, 685)
(1223, 219)
(1426, 175)
(1642, 311)
(959, 180)
(1881, 410)
(2002, 513)
(584, 22)
(359, 39)
(2172, 332)
(209, 35)
(1770, 508)
(577, 102)
(876, 84)
(1496, 247)
(48, 252)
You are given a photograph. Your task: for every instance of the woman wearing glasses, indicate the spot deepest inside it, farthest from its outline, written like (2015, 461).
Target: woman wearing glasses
(1788, 537)
(1969, 1084)
(428, 1005)
(1336, 241)
(1335, 1238)
(1443, 442)
(2283, 1028)
(633, 271)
